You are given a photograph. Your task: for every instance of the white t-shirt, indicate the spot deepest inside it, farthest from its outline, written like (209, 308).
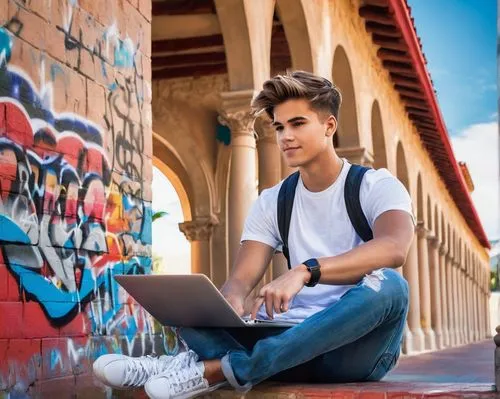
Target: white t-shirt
(320, 227)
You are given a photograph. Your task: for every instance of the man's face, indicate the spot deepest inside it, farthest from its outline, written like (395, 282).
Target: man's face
(302, 133)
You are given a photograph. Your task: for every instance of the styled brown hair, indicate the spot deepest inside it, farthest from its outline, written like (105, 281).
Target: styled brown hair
(323, 96)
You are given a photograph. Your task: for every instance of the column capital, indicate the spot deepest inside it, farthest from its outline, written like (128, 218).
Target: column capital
(433, 241)
(236, 114)
(358, 155)
(265, 130)
(199, 229)
(442, 249)
(421, 230)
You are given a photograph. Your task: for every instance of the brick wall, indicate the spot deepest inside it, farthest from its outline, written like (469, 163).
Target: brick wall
(75, 187)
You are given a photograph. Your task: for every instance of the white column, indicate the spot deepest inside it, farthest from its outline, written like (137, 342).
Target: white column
(410, 272)
(450, 282)
(269, 165)
(198, 233)
(425, 288)
(235, 114)
(435, 283)
(444, 294)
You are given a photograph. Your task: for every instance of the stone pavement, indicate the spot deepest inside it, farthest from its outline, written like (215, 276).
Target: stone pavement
(463, 372)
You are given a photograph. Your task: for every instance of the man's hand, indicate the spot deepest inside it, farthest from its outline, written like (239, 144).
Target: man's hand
(237, 303)
(278, 293)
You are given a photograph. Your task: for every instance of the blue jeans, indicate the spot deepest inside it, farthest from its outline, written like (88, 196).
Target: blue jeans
(358, 338)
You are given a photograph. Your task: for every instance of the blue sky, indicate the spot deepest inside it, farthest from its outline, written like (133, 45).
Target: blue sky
(459, 39)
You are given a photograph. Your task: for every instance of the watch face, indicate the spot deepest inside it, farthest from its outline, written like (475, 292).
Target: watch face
(311, 263)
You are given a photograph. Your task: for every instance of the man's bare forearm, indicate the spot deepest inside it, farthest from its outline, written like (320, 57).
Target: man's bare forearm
(251, 263)
(352, 266)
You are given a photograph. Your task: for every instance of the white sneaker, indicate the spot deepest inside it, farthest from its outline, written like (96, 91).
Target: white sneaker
(122, 372)
(183, 380)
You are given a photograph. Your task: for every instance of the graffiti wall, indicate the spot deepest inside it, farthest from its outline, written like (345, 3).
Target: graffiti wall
(75, 186)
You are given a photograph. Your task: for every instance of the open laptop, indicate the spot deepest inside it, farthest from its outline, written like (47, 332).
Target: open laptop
(187, 301)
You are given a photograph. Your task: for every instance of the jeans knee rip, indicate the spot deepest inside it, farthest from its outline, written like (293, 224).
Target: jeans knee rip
(374, 280)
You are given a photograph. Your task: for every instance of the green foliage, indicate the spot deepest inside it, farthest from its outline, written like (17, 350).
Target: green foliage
(159, 214)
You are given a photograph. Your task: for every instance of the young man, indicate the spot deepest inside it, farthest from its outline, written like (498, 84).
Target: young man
(349, 303)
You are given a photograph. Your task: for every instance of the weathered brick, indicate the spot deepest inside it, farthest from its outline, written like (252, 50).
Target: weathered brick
(34, 27)
(55, 43)
(4, 275)
(55, 358)
(145, 9)
(4, 11)
(96, 102)
(35, 322)
(41, 8)
(79, 326)
(21, 358)
(23, 58)
(9, 290)
(56, 387)
(11, 319)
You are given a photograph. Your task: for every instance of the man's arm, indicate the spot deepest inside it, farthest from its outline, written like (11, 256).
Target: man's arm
(392, 236)
(251, 262)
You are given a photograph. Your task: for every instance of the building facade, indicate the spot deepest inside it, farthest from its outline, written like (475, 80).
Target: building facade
(210, 58)
(93, 93)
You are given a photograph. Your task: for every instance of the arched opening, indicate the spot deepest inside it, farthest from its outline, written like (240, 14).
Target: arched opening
(171, 250)
(420, 201)
(429, 224)
(348, 131)
(378, 139)
(401, 168)
(436, 224)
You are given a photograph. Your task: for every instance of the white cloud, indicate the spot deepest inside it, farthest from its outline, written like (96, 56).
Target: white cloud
(478, 146)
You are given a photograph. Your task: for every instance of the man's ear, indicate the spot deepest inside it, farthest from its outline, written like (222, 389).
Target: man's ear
(331, 125)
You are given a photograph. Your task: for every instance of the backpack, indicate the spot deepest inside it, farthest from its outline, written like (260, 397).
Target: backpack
(351, 196)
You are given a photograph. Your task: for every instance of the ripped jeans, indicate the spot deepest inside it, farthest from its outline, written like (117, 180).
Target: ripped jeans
(358, 338)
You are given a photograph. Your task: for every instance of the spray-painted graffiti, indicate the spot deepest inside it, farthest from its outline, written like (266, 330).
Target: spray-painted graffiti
(67, 223)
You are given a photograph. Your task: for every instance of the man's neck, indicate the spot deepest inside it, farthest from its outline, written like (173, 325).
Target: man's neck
(322, 173)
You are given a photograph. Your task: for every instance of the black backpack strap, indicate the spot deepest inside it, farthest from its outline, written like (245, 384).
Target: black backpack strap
(285, 206)
(353, 203)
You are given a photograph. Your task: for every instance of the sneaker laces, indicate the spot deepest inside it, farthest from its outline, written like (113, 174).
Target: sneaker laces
(139, 369)
(187, 376)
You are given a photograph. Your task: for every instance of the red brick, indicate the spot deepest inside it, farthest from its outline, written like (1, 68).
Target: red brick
(41, 8)
(79, 326)
(371, 395)
(34, 26)
(55, 358)
(11, 320)
(4, 275)
(35, 322)
(22, 360)
(9, 288)
(145, 9)
(63, 387)
(55, 45)
(96, 102)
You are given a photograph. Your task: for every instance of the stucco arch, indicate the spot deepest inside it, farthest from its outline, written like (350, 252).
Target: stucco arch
(421, 214)
(293, 18)
(401, 167)
(378, 137)
(177, 183)
(348, 130)
(190, 172)
(430, 224)
(246, 29)
(436, 224)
